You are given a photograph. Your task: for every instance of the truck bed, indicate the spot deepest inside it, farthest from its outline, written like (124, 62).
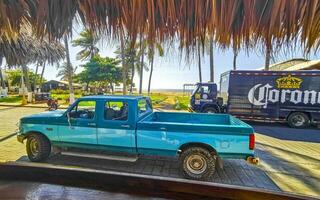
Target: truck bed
(189, 122)
(164, 133)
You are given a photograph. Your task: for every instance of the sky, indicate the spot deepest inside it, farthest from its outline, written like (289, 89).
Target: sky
(171, 72)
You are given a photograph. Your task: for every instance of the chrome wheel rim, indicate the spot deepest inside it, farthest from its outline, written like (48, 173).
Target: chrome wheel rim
(196, 164)
(34, 147)
(298, 120)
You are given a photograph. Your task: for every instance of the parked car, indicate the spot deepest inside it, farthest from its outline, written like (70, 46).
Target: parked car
(285, 96)
(125, 127)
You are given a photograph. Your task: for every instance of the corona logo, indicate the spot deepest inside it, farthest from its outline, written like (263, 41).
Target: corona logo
(289, 82)
(262, 95)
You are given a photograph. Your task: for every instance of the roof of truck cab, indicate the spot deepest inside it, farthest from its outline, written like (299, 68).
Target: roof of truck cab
(119, 97)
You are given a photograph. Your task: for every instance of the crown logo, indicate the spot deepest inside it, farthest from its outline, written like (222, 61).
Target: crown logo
(288, 82)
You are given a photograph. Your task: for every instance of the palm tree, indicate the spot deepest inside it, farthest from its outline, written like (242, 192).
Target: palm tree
(268, 57)
(87, 41)
(142, 51)
(2, 84)
(69, 70)
(151, 52)
(27, 49)
(211, 60)
(65, 71)
(199, 62)
(123, 63)
(235, 55)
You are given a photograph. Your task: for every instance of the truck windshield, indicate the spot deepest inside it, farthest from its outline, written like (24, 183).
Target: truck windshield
(195, 89)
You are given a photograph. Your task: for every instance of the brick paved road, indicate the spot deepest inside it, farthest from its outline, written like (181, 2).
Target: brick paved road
(293, 165)
(9, 117)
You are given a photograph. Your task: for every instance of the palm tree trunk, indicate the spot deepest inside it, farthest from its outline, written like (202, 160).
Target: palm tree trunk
(70, 71)
(124, 68)
(1, 75)
(42, 72)
(26, 77)
(199, 63)
(111, 87)
(235, 55)
(211, 61)
(141, 64)
(35, 79)
(87, 86)
(3, 86)
(268, 57)
(150, 76)
(132, 76)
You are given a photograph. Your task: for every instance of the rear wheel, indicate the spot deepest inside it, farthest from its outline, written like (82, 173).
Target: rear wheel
(197, 163)
(38, 147)
(298, 120)
(210, 110)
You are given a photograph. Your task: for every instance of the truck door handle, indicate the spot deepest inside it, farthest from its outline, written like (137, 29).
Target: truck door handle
(163, 129)
(125, 126)
(91, 124)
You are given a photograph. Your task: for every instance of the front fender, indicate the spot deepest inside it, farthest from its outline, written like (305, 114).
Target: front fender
(50, 131)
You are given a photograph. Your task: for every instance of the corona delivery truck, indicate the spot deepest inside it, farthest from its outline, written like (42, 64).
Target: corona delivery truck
(291, 96)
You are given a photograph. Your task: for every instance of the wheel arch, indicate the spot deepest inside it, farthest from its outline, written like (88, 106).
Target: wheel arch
(212, 105)
(27, 134)
(297, 111)
(197, 144)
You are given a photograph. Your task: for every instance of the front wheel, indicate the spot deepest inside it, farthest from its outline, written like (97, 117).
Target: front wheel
(197, 163)
(210, 110)
(298, 120)
(38, 148)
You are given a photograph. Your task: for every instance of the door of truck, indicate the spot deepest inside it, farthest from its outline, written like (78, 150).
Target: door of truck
(116, 126)
(79, 124)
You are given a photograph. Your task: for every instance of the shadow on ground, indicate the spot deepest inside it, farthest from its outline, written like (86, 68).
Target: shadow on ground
(283, 132)
(235, 172)
(291, 171)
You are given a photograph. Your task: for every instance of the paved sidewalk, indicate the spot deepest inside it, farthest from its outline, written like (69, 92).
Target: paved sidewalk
(293, 165)
(235, 172)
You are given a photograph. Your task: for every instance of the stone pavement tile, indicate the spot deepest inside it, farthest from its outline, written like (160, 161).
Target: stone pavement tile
(11, 150)
(10, 117)
(293, 165)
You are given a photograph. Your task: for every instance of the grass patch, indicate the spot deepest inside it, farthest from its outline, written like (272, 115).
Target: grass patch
(11, 99)
(181, 102)
(157, 98)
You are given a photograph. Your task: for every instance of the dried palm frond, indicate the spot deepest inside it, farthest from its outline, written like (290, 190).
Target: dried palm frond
(26, 48)
(230, 22)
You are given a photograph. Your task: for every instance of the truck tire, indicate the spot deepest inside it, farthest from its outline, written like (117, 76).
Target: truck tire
(210, 110)
(298, 120)
(38, 148)
(197, 163)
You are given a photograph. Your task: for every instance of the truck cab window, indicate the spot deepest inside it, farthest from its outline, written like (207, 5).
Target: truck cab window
(83, 110)
(143, 107)
(116, 110)
(202, 91)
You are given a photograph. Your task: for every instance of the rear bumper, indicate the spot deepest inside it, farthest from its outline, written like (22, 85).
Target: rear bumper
(20, 138)
(253, 160)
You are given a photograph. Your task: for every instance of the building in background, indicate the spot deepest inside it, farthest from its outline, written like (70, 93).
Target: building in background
(295, 64)
(63, 85)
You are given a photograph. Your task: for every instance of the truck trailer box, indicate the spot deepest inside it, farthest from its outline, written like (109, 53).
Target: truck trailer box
(292, 96)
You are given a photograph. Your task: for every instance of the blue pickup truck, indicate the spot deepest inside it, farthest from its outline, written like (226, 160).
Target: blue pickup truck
(124, 127)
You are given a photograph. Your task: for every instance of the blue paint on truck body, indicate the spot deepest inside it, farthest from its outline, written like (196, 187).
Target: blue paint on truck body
(142, 131)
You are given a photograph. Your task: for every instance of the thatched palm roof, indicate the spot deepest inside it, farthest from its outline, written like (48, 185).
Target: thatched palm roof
(227, 21)
(26, 48)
